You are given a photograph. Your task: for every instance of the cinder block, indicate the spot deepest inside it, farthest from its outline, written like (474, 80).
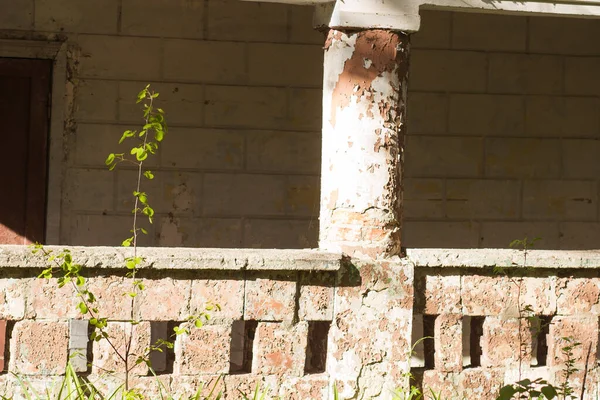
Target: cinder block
(443, 70)
(90, 189)
(427, 113)
(271, 299)
(563, 116)
(302, 195)
(281, 233)
(489, 32)
(556, 35)
(580, 158)
(578, 296)
(285, 64)
(479, 115)
(525, 73)
(127, 182)
(500, 234)
(244, 194)
(183, 103)
(164, 300)
(423, 198)
(46, 300)
(182, 19)
(488, 295)
(204, 61)
(301, 26)
(119, 57)
(583, 330)
(579, 235)
(204, 149)
(96, 101)
(199, 232)
(204, 351)
(227, 293)
(181, 192)
(443, 384)
(105, 357)
(561, 200)
(305, 109)
(448, 343)
(17, 14)
(517, 157)
(442, 295)
(307, 387)
(539, 294)
(502, 343)
(298, 152)
(110, 292)
(250, 107)
(431, 234)
(238, 21)
(434, 32)
(478, 383)
(435, 156)
(487, 199)
(78, 342)
(39, 347)
(76, 16)
(316, 297)
(12, 300)
(581, 75)
(104, 230)
(280, 349)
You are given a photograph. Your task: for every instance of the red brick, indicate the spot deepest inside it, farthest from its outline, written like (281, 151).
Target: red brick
(270, 299)
(501, 342)
(12, 298)
(204, 351)
(583, 329)
(442, 294)
(164, 299)
(227, 293)
(40, 348)
(236, 385)
(111, 299)
(480, 383)
(488, 295)
(578, 296)
(105, 357)
(448, 343)
(47, 300)
(280, 349)
(308, 387)
(185, 386)
(441, 383)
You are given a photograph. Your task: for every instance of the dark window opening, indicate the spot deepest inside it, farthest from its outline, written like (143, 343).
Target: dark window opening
(475, 335)
(316, 347)
(161, 332)
(24, 104)
(540, 341)
(242, 344)
(429, 341)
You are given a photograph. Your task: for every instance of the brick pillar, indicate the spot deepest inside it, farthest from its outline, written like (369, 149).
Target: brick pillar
(364, 102)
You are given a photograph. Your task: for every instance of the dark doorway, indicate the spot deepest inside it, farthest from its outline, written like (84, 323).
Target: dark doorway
(24, 108)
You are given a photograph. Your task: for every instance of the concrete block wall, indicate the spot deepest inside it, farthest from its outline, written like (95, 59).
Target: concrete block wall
(503, 129)
(240, 83)
(481, 341)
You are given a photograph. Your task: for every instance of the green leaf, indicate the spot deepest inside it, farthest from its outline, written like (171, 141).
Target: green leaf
(198, 323)
(80, 281)
(506, 393)
(82, 308)
(110, 159)
(127, 242)
(145, 232)
(149, 175)
(549, 392)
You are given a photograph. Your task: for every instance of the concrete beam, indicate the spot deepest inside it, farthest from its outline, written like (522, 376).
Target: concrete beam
(403, 15)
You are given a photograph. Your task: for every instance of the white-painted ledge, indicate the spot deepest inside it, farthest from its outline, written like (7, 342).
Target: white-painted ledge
(165, 258)
(505, 258)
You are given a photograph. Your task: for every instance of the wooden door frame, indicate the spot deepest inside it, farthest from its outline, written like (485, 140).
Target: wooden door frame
(61, 109)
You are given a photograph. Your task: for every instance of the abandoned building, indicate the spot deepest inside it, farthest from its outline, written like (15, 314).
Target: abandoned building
(342, 178)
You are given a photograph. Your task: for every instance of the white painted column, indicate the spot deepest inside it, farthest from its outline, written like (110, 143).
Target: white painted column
(364, 102)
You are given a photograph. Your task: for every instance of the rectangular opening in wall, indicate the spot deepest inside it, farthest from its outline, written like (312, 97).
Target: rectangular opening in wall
(6, 328)
(429, 341)
(316, 347)
(242, 344)
(24, 104)
(160, 332)
(540, 331)
(474, 340)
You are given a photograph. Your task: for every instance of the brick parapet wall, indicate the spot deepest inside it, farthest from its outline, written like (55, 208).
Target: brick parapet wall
(294, 321)
(479, 323)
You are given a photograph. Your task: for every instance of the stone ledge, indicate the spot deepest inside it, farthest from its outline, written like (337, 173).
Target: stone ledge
(506, 258)
(165, 258)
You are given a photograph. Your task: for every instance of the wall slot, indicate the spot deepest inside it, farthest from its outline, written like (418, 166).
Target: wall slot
(316, 347)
